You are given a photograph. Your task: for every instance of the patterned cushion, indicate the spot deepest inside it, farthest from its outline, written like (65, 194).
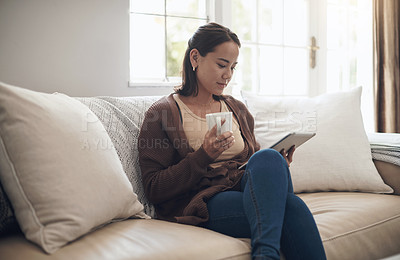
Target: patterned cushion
(122, 118)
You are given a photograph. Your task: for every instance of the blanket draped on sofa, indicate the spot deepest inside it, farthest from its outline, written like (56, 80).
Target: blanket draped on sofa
(122, 119)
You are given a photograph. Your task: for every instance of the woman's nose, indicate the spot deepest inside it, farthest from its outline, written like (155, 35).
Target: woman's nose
(227, 75)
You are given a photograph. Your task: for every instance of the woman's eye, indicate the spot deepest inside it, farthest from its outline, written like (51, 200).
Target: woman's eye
(221, 66)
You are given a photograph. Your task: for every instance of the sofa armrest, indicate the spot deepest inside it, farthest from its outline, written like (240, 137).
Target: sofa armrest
(385, 151)
(390, 174)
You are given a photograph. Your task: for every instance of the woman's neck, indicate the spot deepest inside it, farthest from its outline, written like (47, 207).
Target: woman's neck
(201, 105)
(203, 99)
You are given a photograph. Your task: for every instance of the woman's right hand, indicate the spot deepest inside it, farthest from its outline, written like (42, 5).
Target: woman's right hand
(215, 145)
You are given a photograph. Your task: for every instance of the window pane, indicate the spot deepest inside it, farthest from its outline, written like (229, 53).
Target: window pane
(270, 13)
(364, 50)
(191, 8)
(347, 2)
(296, 22)
(271, 74)
(179, 30)
(296, 71)
(147, 49)
(334, 71)
(153, 6)
(246, 74)
(352, 47)
(243, 23)
(349, 45)
(364, 5)
(336, 27)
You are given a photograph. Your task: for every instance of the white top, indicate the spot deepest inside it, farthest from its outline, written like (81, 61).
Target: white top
(195, 128)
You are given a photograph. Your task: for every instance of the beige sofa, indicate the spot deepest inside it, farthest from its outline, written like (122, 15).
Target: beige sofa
(353, 225)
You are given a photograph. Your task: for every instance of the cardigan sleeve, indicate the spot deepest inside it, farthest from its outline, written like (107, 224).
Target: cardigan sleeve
(166, 173)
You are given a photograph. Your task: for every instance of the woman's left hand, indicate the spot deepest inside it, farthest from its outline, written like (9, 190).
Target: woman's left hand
(288, 155)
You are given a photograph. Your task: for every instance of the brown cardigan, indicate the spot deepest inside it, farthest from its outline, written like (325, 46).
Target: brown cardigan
(177, 179)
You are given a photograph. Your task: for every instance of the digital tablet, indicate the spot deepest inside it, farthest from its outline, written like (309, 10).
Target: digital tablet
(294, 138)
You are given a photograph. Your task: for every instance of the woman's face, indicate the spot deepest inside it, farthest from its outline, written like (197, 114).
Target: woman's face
(215, 70)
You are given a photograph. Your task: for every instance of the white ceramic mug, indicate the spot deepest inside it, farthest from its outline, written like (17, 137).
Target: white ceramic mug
(216, 119)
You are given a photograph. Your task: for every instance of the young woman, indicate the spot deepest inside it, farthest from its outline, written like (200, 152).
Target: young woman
(191, 174)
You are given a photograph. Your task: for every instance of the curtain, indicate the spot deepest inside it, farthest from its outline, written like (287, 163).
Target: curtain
(386, 65)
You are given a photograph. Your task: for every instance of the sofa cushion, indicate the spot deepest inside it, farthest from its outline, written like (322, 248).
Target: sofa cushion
(356, 225)
(338, 158)
(138, 240)
(61, 182)
(353, 226)
(122, 118)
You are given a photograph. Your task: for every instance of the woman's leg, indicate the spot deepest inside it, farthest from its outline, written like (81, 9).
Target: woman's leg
(278, 218)
(300, 235)
(226, 214)
(265, 187)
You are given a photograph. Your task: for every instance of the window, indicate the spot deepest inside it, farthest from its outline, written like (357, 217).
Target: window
(277, 38)
(349, 52)
(274, 56)
(305, 48)
(159, 31)
(349, 44)
(289, 47)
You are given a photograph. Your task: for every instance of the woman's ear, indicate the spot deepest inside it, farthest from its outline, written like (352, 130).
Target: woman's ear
(194, 58)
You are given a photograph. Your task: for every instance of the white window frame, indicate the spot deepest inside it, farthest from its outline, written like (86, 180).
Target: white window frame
(214, 12)
(219, 11)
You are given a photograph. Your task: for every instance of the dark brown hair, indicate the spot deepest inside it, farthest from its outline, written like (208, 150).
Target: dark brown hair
(205, 39)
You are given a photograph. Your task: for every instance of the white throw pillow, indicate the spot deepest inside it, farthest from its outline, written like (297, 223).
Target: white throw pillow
(338, 158)
(59, 168)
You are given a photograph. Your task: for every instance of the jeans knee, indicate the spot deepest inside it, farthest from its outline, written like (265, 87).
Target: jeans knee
(267, 157)
(268, 162)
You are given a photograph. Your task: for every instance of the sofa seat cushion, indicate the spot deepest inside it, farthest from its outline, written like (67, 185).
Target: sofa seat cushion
(356, 225)
(136, 239)
(352, 226)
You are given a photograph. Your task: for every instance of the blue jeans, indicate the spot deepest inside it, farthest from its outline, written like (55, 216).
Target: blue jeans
(267, 211)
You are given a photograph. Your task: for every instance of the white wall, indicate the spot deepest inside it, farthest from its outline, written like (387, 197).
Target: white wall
(76, 47)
